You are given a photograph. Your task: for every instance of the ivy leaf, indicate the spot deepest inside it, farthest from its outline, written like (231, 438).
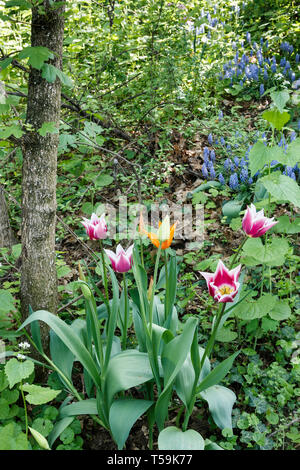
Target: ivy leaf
(16, 371)
(39, 395)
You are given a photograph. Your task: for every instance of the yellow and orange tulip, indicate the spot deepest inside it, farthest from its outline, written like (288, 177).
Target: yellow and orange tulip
(164, 235)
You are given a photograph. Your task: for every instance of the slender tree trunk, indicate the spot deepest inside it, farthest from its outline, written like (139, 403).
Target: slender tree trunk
(38, 272)
(7, 238)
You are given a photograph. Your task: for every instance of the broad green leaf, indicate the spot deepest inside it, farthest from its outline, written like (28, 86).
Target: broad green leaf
(231, 209)
(217, 374)
(3, 380)
(83, 407)
(261, 155)
(39, 395)
(185, 378)
(48, 127)
(70, 339)
(37, 55)
(250, 309)
(7, 302)
(14, 130)
(49, 72)
(276, 118)
(209, 445)
(286, 225)
(173, 438)
(281, 310)
(11, 438)
(58, 428)
(4, 408)
(225, 335)
(65, 80)
(282, 187)
(220, 402)
(40, 439)
(16, 371)
(6, 62)
(61, 355)
(272, 254)
(123, 414)
(103, 180)
(280, 98)
(125, 370)
(290, 156)
(172, 358)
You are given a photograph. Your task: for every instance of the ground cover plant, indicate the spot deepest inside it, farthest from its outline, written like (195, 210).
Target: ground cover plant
(149, 221)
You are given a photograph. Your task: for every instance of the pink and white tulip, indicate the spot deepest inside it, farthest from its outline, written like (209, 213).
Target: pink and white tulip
(255, 224)
(95, 227)
(223, 284)
(121, 261)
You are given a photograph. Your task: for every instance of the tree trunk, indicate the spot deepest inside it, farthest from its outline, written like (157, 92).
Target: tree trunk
(7, 238)
(38, 272)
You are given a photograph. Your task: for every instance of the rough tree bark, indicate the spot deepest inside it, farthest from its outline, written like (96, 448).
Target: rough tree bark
(7, 238)
(38, 272)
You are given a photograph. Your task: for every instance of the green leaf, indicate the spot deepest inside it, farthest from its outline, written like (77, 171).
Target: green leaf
(123, 414)
(65, 80)
(83, 407)
(103, 180)
(286, 225)
(231, 209)
(39, 395)
(225, 335)
(16, 370)
(125, 370)
(272, 254)
(36, 56)
(280, 98)
(172, 358)
(185, 378)
(282, 187)
(281, 310)
(220, 402)
(173, 438)
(217, 374)
(14, 130)
(4, 408)
(48, 127)
(290, 156)
(58, 428)
(276, 118)
(43, 426)
(11, 438)
(250, 309)
(261, 155)
(209, 445)
(7, 302)
(70, 339)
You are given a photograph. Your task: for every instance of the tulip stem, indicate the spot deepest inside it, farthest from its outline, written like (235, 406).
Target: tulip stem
(153, 289)
(124, 339)
(105, 277)
(237, 253)
(211, 341)
(167, 284)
